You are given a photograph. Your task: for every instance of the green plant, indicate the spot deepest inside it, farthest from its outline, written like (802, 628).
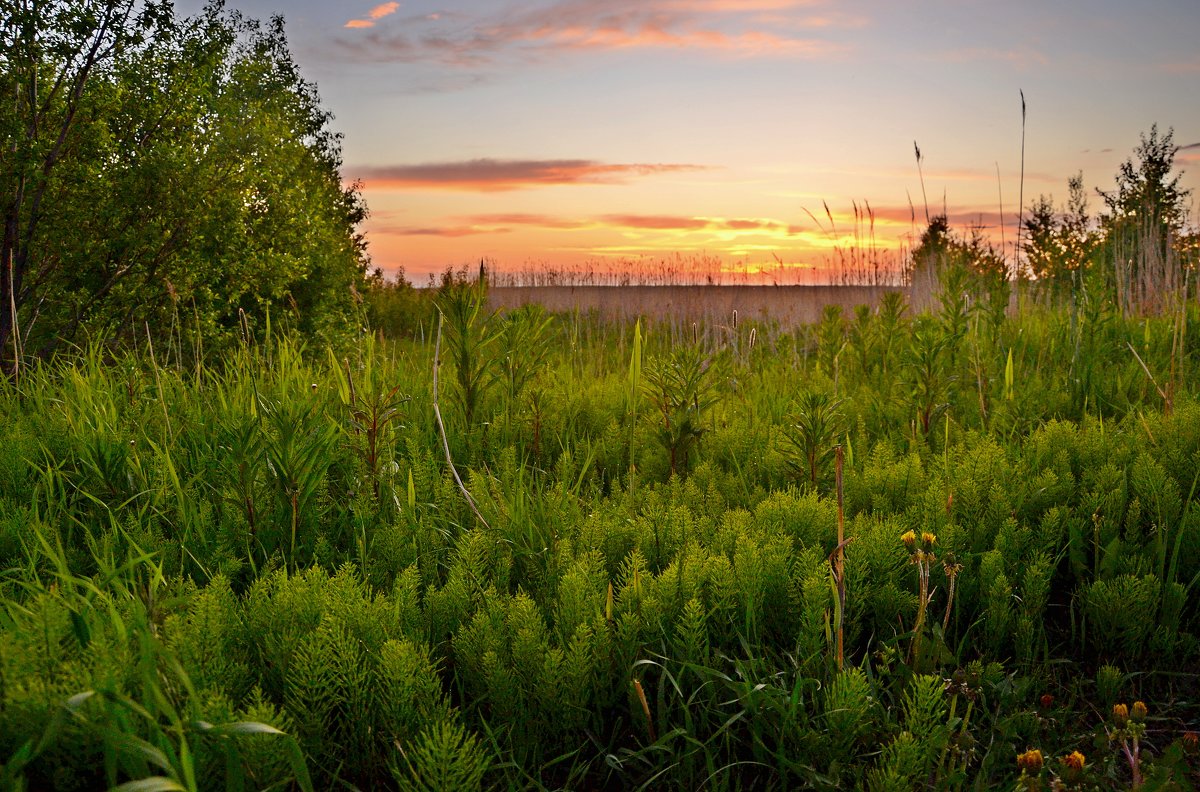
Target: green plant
(469, 336)
(523, 344)
(444, 757)
(927, 375)
(812, 434)
(682, 388)
(298, 455)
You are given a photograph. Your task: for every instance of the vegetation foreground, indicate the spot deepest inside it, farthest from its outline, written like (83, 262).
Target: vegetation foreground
(264, 574)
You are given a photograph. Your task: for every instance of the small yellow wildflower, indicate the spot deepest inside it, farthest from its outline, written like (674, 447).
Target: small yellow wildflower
(1030, 761)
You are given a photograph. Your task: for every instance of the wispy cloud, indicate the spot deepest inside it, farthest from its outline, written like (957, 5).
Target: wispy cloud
(775, 28)
(450, 231)
(1182, 67)
(656, 222)
(497, 175)
(374, 15)
(712, 227)
(960, 217)
(1189, 154)
(1023, 58)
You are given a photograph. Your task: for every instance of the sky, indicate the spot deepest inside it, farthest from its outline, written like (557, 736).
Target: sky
(586, 134)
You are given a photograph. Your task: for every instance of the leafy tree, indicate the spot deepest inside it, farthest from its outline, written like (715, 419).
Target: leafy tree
(1146, 189)
(195, 179)
(50, 53)
(1059, 244)
(1145, 219)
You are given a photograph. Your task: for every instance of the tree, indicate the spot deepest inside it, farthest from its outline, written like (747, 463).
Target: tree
(1145, 189)
(197, 181)
(1145, 219)
(49, 54)
(1059, 244)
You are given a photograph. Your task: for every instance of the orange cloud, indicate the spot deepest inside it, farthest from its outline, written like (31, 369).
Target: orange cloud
(375, 14)
(494, 175)
(538, 220)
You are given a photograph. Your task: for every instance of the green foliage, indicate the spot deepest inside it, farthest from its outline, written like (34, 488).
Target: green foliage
(469, 333)
(849, 710)
(813, 435)
(445, 757)
(124, 116)
(399, 642)
(682, 389)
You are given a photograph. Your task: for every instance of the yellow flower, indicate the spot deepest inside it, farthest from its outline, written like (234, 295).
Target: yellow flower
(1030, 761)
(1120, 714)
(929, 538)
(909, 538)
(1074, 760)
(1138, 713)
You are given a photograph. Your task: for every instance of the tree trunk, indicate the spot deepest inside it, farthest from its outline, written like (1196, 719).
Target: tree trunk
(9, 359)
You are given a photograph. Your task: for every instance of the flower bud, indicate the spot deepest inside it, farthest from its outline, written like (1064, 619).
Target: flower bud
(1120, 714)
(1138, 712)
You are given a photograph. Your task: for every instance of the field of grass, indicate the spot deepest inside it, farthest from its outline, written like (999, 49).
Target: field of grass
(787, 306)
(957, 550)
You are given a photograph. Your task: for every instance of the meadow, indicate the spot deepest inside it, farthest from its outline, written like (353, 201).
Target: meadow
(951, 550)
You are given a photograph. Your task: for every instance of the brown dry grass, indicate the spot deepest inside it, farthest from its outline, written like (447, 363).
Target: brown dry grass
(787, 305)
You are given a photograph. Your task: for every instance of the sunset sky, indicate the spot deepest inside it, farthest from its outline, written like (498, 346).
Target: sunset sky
(551, 132)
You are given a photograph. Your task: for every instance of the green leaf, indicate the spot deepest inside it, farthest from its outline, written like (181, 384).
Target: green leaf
(151, 784)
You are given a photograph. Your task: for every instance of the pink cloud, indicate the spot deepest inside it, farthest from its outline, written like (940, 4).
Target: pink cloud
(1189, 154)
(538, 220)
(503, 223)
(656, 222)
(1183, 67)
(755, 28)
(494, 175)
